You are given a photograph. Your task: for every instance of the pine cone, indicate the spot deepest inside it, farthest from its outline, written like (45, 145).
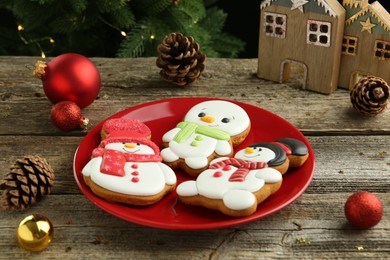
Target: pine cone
(370, 95)
(180, 59)
(27, 182)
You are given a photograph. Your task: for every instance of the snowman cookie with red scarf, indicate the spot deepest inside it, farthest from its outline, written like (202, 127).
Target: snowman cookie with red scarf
(127, 168)
(235, 186)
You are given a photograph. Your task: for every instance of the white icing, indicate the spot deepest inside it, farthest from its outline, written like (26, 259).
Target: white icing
(168, 136)
(269, 175)
(168, 155)
(260, 154)
(220, 109)
(137, 149)
(187, 189)
(152, 176)
(204, 149)
(223, 148)
(215, 187)
(216, 110)
(215, 184)
(196, 162)
(169, 175)
(239, 199)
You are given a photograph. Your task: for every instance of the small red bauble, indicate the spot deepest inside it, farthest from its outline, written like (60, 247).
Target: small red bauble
(70, 77)
(363, 210)
(66, 116)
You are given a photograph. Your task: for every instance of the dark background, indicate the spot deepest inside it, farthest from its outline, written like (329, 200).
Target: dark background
(243, 22)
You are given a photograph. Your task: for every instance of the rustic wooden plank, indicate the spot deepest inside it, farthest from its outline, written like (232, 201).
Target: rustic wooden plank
(314, 226)
(352, 153)
(128, 82)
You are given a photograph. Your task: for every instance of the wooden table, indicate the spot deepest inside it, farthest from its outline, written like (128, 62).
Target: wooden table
(352, 154)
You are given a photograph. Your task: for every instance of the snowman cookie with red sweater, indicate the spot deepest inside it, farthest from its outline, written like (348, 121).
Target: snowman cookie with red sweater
(127, 168)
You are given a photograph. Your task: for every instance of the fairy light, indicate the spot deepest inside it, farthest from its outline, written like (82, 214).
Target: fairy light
(35, 41)
(113, 26)
(152, 36)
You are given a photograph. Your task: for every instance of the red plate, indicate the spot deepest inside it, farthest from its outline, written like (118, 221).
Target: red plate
(169, 213)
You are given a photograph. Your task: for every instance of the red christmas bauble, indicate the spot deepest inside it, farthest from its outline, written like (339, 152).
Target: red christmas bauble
(70, 77)
(363, 210)
(66, 116)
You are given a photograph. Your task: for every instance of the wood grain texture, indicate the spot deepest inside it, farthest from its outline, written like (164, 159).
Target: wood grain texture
(352, 153)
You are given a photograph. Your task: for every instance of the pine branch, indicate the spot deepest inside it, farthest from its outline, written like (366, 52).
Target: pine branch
(78, 6)
(193, 8)
(227, 45)
(134, 44)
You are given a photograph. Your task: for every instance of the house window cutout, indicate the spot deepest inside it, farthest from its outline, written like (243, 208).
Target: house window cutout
(382, 50)
(275, 25)
(349, 45)
(318, 33)
(294, 72)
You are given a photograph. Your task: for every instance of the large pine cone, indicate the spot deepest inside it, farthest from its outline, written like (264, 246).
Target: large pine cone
(370, 95)
(27, 182)
(180, 60)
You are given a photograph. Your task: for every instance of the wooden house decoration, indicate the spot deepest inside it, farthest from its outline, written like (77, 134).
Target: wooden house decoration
(307, 33)
(366, 42)
(333, 44)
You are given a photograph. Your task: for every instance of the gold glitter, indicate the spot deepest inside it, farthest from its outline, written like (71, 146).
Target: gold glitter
(303, 240)
(359, 247)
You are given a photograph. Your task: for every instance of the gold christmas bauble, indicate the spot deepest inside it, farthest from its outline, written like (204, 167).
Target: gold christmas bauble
(34, 233)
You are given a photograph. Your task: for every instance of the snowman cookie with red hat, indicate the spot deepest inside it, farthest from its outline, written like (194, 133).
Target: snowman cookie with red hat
(127, 168)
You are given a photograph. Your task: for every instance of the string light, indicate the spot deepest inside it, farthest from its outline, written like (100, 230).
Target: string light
(113, 26)
(152, 36)
(35, 41)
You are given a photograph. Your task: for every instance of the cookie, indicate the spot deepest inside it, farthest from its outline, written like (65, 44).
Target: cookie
(128, 169)
(296, 150)
(124, 125)
(232, 186)
(210, 130)
(281, 154)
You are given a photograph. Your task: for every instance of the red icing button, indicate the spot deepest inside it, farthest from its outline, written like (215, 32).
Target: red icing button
(135, 173)
(134, 166)
(134, 179)
(226, 168)
(217, 174)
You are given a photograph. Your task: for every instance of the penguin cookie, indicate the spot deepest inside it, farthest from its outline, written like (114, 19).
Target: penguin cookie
(210, 130)
(281, 154)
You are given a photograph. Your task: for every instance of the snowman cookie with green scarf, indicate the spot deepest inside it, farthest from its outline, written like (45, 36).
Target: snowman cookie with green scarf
(209, 130)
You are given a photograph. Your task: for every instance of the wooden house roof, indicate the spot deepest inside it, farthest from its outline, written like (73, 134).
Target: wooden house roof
(331, 7)
(377, 11)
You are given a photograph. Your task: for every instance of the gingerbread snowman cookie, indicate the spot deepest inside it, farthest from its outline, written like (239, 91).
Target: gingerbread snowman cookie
(210, 130)
(233, 186)
(127, 168)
